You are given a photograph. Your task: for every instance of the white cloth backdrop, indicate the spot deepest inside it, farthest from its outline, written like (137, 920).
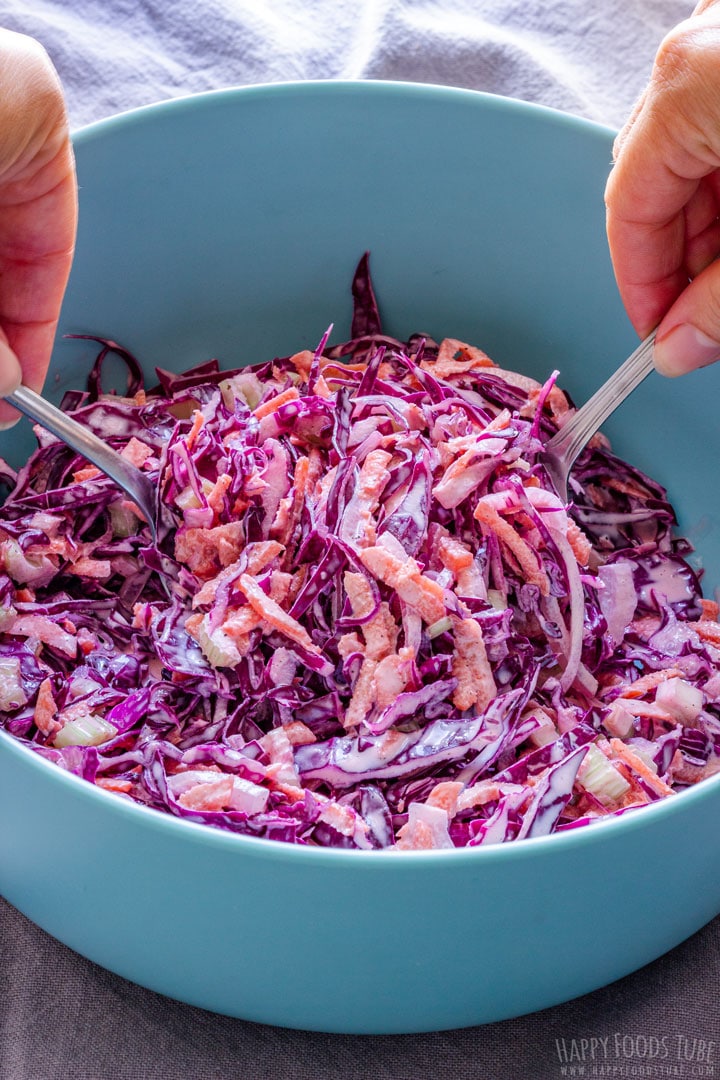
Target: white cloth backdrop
(589, 57)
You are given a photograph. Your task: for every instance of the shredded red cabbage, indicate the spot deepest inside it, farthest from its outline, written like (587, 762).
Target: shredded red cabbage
(385, 629)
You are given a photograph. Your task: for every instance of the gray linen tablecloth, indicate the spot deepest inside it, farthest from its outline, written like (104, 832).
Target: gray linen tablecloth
(60, 1015)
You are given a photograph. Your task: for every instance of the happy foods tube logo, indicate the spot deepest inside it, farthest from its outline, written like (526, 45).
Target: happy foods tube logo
(626, 1054)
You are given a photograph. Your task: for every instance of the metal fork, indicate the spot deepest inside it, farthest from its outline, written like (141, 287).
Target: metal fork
(133, 482)
(563, 448)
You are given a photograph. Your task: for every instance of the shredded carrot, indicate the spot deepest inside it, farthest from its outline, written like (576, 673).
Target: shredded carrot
(88, 567)
(208, 797)
(687, 773)
(487, 515)
(240, 623)
(193, 623)
(197, 425)
(707, 630)
(87, 472)
(456, 358)
(581, 546)
(363, 695)
(217, 493)
(274, 614)
(638, 766)
(274, 403)
(301, 476)
(445, 795)
(478, 795)
(454, 554)
(109, 783)
(624, 487)
(342, 818)
(302, 362)
(136, 452)
(412, 586)
(419, 837)
(638, 707)
(475, 682)
(710, 610)
(299, 734)
(45, 712)
(47, 631)
(204, 551)
(648, 682)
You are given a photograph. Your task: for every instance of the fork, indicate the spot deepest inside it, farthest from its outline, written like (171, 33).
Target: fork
(133, 482)
(562, 449)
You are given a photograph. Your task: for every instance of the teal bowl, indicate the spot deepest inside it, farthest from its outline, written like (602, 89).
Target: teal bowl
(228, 225)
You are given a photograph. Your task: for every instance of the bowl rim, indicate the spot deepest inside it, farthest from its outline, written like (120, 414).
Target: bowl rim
(312, 88)
(196, 832)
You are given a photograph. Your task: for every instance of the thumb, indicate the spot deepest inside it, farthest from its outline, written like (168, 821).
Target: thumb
(10, 378)
(689, 335)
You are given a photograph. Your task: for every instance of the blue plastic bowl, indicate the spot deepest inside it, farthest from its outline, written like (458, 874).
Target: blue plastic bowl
(229, 224)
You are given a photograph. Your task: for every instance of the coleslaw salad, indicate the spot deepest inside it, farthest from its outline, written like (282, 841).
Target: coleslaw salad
(385, 629)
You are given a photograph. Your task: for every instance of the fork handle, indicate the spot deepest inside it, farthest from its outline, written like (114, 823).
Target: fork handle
(573, 436)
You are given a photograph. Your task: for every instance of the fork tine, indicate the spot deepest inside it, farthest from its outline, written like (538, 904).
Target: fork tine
(563, 448)
(127, 476)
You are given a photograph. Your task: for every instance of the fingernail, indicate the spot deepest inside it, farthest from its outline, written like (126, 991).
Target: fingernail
(10, 374)
(683, 349)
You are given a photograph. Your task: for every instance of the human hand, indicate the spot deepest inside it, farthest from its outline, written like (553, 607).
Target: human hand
(663, 199)
(38, 212)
